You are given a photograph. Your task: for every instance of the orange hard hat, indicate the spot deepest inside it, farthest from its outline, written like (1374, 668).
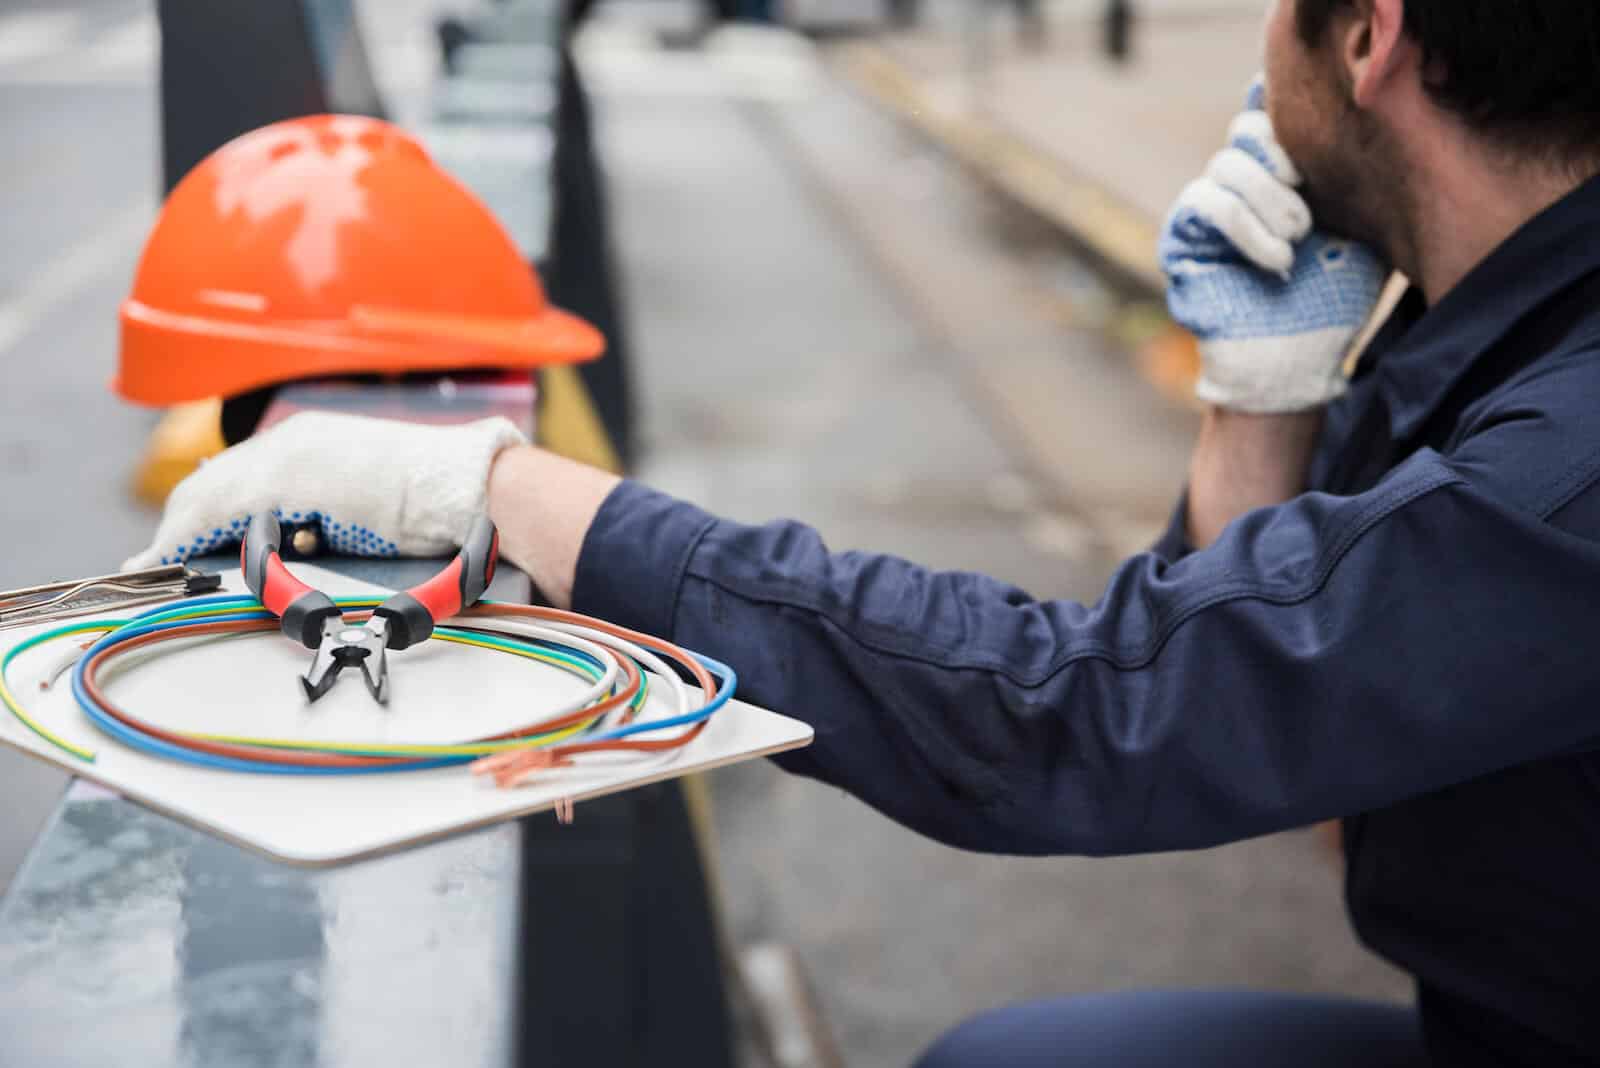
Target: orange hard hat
(323, 246)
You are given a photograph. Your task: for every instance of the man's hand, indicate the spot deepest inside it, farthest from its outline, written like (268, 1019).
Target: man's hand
(376, 487)
(1275, 304)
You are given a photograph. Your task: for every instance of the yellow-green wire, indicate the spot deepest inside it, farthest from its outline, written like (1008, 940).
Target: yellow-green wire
(402, 749)
(350, 748)
(10, 699)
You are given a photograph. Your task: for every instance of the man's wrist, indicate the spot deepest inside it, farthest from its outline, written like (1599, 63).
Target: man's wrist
(1244, 461)
(543, 505)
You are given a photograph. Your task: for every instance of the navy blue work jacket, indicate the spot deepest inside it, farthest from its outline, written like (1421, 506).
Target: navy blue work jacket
(1412, 645)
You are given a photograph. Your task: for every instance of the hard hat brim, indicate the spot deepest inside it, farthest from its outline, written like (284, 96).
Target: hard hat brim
(201, 357)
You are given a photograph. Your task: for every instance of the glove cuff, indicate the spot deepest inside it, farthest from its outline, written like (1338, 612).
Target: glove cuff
(1274, 375)
(450, 486)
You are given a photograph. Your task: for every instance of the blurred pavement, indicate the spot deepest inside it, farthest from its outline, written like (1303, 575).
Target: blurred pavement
(1096, 146)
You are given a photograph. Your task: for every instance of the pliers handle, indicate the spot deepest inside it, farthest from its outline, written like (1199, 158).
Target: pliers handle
(410, 615)
(301, 610)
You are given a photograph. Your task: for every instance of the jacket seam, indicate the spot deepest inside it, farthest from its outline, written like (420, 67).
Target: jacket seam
(1563, 490)
(680, 572)
(1379, 511)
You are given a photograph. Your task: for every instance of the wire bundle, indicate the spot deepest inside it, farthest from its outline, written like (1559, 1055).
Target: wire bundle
(603, 719)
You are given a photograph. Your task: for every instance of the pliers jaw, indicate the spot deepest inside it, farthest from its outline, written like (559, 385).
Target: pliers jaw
(313, 619)
(344, 644)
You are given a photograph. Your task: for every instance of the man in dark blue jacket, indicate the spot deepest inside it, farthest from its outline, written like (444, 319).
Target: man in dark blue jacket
(1374, 602)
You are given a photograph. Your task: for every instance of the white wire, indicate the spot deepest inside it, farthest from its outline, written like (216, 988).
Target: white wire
(590, 638)
(680, 689)
(659, 667)
(601, 688)
(576, 632)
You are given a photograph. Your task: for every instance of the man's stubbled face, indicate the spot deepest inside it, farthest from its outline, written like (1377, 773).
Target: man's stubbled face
(1348, 178)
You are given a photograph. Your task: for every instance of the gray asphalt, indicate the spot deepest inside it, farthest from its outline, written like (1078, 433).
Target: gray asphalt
(809, 346)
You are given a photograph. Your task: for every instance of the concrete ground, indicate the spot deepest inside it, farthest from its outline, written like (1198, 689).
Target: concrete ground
(830, 323)
(1133, 127)
(1097, 146)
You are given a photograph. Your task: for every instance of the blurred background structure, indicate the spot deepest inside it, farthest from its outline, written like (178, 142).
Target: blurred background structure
(887, 269)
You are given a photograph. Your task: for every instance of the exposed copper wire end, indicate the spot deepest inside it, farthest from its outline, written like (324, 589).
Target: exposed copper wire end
(564, 813)
(520, 766)
(516, 776)
(490, 764)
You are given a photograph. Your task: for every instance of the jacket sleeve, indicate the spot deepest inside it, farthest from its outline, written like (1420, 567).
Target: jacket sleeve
(1324, 657)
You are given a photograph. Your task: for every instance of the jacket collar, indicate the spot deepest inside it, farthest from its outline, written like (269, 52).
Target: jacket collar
(1424, 352)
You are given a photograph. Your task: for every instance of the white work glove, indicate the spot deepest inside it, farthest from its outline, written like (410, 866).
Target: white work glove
(1274, 303)
(377, 487)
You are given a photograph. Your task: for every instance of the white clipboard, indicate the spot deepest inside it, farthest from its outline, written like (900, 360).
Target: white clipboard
(440, 692)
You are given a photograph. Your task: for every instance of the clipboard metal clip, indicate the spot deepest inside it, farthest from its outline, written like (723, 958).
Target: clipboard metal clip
(104, 593)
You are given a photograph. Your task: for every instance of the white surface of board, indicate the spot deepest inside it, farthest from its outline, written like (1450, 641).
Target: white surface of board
(439, 693)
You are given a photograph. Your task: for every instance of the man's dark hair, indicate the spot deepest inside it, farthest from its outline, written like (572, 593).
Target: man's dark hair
(1524, 73)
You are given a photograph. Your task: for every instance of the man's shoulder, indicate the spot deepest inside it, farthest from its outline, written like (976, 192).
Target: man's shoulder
(1559, 381)
(1535, 439)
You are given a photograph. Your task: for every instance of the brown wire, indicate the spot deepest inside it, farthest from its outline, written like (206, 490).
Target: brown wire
(509, 769)
(506, 771)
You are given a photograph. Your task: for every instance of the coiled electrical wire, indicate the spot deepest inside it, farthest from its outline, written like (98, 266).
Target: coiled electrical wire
(602, 719)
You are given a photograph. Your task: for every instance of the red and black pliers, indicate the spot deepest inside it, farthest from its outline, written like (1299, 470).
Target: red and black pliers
(310, 617)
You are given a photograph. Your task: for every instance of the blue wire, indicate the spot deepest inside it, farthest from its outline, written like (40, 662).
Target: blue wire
(204, 602)
(723, 695)
(149, 744)
(144, 742)
(253, 612)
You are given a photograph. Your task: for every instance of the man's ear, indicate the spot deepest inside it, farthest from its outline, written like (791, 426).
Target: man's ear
(1373, 47)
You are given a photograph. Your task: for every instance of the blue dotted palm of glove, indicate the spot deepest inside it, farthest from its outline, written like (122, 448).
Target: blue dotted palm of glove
(343, 539)
(1274, 302)
(370, 487)
(1215, 292)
